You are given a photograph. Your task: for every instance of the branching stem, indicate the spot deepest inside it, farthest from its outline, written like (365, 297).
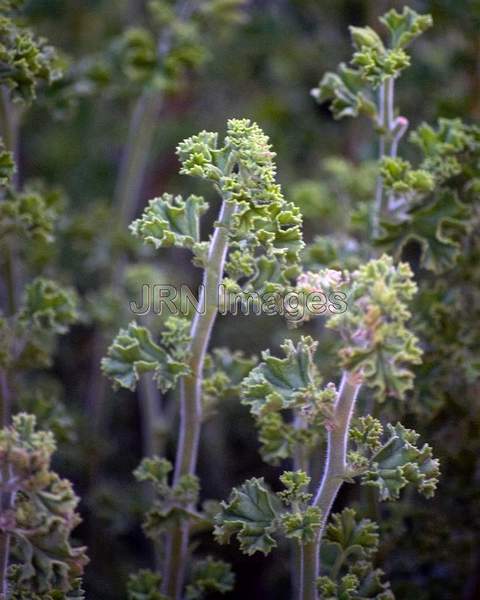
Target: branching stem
(191, 393)
(333, 476)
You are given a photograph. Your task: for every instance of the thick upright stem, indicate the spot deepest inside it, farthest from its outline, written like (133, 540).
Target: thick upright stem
(191, 393)
(335, 469)
(309, 571)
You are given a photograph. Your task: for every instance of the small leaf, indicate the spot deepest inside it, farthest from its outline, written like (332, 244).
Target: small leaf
(251, 514)
(279, 383)
(353, 537)
(302, 526)
(133, 353)
(436, 227)
(404, 27)
(209, 576)
(399, 462)
(345, 91)
(171, 221)
(48, 307)
(145, 585)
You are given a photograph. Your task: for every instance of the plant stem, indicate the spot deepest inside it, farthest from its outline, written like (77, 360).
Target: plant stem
(334, 473)
(130, 178)
(383, 126)
(136, 154)
(9, 130)
(309, 571)
(300, 463)
(392, 129)
(141, 132)
(5, 399)
(6, 498)
(191, 393)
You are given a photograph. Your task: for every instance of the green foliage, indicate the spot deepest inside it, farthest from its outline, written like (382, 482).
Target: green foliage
(223, 373)
(447, 149)
(430, 214)
(348, 547)
(243, 171)
(251, 515)
(178, 41)
(279, 383)
(48, 307)
(303, 526)
(171, 505)
(7, 166)
(354, 538)
(145, 585)
(43, 514)
(399, 177)
(134, 352)
(30, 214)
(376, 341)
(404, 27)
(344, 90)
(44, 397)
(26, 61)
(373, 63)
(395, 462)
(171, 221)
(208, 576)
(296, 486)
(257, 516)
(436, 227)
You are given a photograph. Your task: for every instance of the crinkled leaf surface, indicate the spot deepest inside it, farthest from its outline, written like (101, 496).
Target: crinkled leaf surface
(251, 514)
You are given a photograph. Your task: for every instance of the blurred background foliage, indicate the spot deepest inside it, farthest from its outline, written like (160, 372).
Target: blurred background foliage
(263, 69)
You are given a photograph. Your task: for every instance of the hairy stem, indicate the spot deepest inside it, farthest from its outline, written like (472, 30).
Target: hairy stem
(191, 393)
(309, 571)
(335, 469)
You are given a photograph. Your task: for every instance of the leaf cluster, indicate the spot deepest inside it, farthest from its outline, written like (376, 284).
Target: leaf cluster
(390, 464)
(256, 516)
(376, 341)
(42, 516)
(347, 551)
(279, 386)
(349, 91)
(135, 352)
